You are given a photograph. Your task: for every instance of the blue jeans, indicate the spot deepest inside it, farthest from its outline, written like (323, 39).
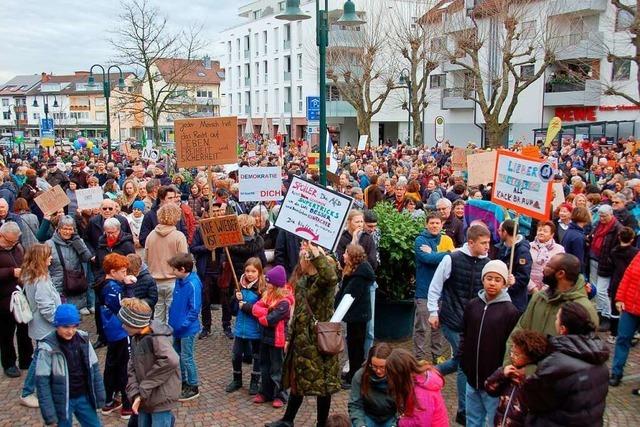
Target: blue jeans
(155, 419)
(453, 365)
(84, 411)
(91, 293)
(370, 423)
(627, 326)
(481, 407)
(186, 348)
(369, 337)
(29, 386)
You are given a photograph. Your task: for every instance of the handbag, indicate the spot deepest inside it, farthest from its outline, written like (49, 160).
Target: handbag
(19, 306)
(73, 282)
(329, 339)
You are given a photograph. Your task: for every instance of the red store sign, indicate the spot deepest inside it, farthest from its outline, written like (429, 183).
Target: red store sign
(576, 114)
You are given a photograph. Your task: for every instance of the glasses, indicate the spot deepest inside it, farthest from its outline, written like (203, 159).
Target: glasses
(107, 209)
(10, 241)
(375, 368)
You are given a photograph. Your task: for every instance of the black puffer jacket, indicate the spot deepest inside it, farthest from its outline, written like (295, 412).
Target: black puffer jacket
(124, 246)
(570, 386)
(357, 284)
(253, 247)
(146, 288)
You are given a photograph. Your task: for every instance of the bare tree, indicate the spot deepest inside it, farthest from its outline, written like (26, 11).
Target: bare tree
(161, 58)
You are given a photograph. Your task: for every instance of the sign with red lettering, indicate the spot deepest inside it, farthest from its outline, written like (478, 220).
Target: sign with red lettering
(260, 184)
(221, 231)
(576, 114)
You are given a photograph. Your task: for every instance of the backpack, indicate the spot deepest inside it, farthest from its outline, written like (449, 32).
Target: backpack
(19, 306)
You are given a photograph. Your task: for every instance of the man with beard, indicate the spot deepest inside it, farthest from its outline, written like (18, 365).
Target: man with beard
(565, 283)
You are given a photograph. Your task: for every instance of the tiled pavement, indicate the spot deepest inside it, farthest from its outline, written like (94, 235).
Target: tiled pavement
(215, 408)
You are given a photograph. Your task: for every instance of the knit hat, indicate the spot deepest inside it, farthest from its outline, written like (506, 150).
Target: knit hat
(66, 315)
(134, 318)
(138, 204)
(277, 276)
(498, 267)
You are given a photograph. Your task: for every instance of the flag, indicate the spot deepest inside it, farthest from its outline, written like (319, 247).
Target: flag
(492, 215)
(332, 164)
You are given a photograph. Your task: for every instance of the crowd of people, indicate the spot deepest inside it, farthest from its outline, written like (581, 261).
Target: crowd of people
(528, 313)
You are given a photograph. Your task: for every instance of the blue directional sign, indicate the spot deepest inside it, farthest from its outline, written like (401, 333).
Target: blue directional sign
(46, 126)
(313, 108)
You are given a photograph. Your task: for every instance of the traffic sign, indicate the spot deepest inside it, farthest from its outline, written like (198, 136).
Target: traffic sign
(46, 126)
(313, 108)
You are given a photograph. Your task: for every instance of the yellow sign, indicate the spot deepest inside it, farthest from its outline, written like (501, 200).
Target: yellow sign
(554, 127)
(47, 142)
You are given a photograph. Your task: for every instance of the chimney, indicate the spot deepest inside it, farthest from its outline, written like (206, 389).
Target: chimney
(206, 61)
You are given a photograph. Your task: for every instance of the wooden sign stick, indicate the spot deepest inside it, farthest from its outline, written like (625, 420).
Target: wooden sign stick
(515, 236)
(233, 270)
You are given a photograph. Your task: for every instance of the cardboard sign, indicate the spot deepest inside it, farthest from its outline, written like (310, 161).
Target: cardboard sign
(52, 200)
(518, 185)
(206, 141)
(362, 142)
(481, 167)
(459, 159)
(314, 213)
(221, 231)
(531, 151)
(260, 184)
(89, 198)
(558, 195)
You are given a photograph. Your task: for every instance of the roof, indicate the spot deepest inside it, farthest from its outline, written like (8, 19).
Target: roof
(19, 85)
(434, 14)
(185, 71)
(68, 82)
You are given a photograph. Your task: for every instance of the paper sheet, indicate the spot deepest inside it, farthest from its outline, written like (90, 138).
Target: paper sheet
(342, 309)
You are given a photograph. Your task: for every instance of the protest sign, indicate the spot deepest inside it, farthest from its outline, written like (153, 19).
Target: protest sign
(89, 198)
(531, 151)
(518, 185)
(314, 213)
(362, 142)
(459, 159)
(53, 200)
(260, 184)
(480, 167)
(558, 195)
(206, 141)
(221, 231)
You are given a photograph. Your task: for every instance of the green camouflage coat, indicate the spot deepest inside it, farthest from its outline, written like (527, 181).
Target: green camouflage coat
(305, 370)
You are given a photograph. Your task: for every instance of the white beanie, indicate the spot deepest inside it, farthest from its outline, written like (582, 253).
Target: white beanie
(498, 267)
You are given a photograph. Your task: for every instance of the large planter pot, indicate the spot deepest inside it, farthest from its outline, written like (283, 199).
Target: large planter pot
(394, 319)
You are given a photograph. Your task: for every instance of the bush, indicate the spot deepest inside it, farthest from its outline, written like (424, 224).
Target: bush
(398, 232)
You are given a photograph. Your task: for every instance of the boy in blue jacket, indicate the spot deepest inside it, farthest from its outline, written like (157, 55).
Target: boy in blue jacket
(183, 318)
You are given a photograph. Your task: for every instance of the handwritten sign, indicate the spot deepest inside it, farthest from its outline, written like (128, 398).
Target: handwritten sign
(480, 167)
(89, 198)
(260, 184)
(206, 141)
(518, 185)
(362, 142)
(221, 231)
(314, 213)
(52, 200)
(459, 159)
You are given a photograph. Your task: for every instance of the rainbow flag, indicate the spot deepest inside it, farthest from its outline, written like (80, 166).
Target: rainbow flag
(492, 215)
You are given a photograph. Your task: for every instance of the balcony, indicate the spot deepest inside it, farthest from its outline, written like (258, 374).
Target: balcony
(447, 66)
(340, 109)
(286, 44)
(287, 107)
(578, 7)
(287, 76)
(344, 38)
(207, 101)
(457, 98)
(247, 54)
(561, 93)
(458, 21)
(577, 46)
(80, 107)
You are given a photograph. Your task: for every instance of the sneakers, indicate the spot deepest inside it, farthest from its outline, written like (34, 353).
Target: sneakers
(125, 414)
(204, 334)
(611, 339)
(98, 344)
(189, 393)
(277, 403)
(228, 333)
(111, 407)
(92, 310)
(30, 401)
(614, 380)
(85, 311)
(259, 398)
(12, 372)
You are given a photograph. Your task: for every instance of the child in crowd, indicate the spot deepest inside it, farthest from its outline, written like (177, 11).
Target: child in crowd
(154, 365)
(273, 312)
(621, 255)
(145, 287)
(183, 318)
(247, 329)
(529, 347)
(487, 323)
(68, 380)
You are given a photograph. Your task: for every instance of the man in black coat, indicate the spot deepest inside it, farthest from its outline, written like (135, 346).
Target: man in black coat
(56, 177)
(95, 227)
(452, 226)
(287, 251)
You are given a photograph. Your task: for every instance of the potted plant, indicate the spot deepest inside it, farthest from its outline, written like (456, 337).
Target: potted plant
(394, 309)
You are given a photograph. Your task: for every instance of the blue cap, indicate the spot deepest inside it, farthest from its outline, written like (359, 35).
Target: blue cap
(138, 204)
(66, 315)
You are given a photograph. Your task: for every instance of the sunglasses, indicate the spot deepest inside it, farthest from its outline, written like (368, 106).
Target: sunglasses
(107, 209)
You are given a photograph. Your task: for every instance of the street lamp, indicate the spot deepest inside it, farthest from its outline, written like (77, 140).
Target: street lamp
(406, 80)
(106, 89)
(349, 18)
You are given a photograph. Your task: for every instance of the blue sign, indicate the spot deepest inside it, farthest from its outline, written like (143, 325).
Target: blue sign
(313, 108)
(46, 126)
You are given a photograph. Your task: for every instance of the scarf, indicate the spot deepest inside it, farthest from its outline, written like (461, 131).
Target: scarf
(111, 241)
(598, 236)
(20, 180)
(543, 250)
(135, 224)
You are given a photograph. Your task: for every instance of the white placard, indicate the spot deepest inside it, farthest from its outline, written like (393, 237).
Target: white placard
(89, 198)
(342, 308)
(362, 142)
(150, 154)
(260, 184)
(314, 213)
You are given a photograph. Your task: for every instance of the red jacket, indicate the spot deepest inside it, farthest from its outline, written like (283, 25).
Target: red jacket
(274, 320)
(629, 288)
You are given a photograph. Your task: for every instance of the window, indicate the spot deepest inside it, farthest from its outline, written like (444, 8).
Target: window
(276, 39)
(265, 40)
(281, 5)
(437, 81)
(238, 49)
(36, 116)
(299, 32)
(266, 101)
(256, 14)
(239, 98)
(527, 71)
(230, 103)
(100, 102)
(238, 72)
(101, 116)
(276, 68)
(5, 102)
(277, 100)
(229, 49)
(228, 76)
(286, 36)
(6, 115)
(438, 44)
(528, 29)
(300, 103)
(257, 101)
(257, 69)
(265, 67)
(59, 116)
(576, 26)
(79, 114)
(256, 37)
(623, 20)
(299, 66)
(621, 69)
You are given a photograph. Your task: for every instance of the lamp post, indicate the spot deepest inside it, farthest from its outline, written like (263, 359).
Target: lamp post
(45, 101)
(106, 89)
(406, 79)
(349, 18)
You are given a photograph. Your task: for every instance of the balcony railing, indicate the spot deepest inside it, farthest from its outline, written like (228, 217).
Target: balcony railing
(457, 92)
(565, 86)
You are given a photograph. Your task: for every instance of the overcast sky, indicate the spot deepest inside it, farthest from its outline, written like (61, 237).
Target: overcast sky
(62, 36)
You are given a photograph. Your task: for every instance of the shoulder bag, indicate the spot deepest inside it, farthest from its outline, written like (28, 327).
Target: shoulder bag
(329, 337)
(73, 282)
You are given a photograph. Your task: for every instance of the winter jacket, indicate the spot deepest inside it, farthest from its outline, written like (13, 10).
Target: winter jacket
(570, 387)
(10, 259)
(605, 263)
(365, 240)
(72, 207)
(626, 219)
(357, 284)
(430, 409)
(151, 220)
(52, 378)
(247, 325)
(574, 243)
(377, 404)
(112, 292)
(454, 228)
(510, 411)
(430, 198)
(95, 230)
(427, 262)
(154, 369)
(252, 247)
(164, 242)
(634, 209)
(27, 238)
(31, 221)
(146, 288)
(629, 288)
(74, 253)
(43, 300)
(58, 177)
(541, 253)
(287, 250)
(9, 193)
(190, 221)
(204, 263)
(622, 257)
(373, 195)
(487, 325)
(185, 307)
(521, 270)
(124, 246)
(273, 319)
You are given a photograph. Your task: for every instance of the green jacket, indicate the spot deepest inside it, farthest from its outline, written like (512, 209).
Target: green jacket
(305, 370)
(377, 405)
(541, 312)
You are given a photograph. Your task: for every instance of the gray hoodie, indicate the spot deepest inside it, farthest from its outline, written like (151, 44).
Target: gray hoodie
(43, 300)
